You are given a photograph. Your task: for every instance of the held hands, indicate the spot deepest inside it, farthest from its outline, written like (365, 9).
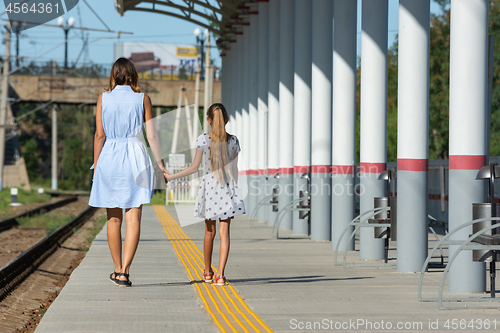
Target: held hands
(159, 169)
(165, 174)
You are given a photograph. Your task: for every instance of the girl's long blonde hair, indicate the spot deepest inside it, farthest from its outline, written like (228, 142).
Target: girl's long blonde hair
(123, 72)
(219, 158)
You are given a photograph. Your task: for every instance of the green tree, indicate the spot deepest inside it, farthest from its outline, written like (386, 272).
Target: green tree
(439, 82)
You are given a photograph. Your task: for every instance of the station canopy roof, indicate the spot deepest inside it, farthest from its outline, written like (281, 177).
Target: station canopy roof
(223, 18)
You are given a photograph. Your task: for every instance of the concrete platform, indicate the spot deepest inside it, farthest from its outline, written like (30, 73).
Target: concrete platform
(161, 299)
(291, 284)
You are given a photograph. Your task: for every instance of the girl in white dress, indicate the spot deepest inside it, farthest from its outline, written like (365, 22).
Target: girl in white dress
(218, 196)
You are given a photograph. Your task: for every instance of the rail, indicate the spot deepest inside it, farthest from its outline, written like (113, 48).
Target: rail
(10, 222)
(19, 268)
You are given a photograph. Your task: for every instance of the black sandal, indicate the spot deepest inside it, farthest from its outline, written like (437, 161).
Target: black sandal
(114, 279)
(121, 283)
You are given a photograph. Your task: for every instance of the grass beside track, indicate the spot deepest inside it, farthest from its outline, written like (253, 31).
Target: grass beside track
(92, 233)
(50, 221)
(158, 198)
(24, 197)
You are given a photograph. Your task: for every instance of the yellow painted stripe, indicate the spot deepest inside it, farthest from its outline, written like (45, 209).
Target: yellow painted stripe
(196, 271)
(191, 276)
(221, 306)
(198, 253)
(200, 256)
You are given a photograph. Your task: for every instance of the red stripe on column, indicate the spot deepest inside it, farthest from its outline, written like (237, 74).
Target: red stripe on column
(343, 169)
(301, 169)
(467, 162)
(321, 168)
(372, 167)
(272, 172)
(286, 171)
(253, 172)
(436, 197)
(412, 164)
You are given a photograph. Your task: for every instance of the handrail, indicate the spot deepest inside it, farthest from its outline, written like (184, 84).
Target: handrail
(282, 212)
(259, 205)
(369, 213)
(446, 241)
(455, 255)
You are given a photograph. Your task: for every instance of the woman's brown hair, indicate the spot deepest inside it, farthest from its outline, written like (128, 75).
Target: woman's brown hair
(123, 73)
(219, 158)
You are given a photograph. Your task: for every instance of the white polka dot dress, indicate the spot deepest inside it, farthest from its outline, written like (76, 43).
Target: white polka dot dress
(217, 201)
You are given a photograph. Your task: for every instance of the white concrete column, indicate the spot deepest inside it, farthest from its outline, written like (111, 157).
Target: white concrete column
(468, 91)
(373, 136)
(245, 116)
(413, 133)
(226, 83)
(253, 126)
(344, 118)
(233, 83)
(273, 100)
(302, 105)
(321, 119)
(287, 14)
(263, 51)
(239, 85)
(223, 83)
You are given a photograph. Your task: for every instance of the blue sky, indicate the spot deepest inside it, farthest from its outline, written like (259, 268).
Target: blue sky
(147, 27)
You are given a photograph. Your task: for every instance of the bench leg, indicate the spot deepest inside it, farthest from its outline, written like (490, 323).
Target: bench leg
(493, 273)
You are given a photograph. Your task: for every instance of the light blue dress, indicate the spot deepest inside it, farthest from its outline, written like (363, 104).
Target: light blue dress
(124, 176)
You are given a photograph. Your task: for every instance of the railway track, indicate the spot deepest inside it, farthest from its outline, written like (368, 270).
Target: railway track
(19, 268)
(10, 222)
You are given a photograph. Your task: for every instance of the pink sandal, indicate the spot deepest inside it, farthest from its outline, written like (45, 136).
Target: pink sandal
(217, 278)
(208, 277)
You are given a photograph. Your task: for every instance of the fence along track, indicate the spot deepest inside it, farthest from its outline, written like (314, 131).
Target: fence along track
(19, 268)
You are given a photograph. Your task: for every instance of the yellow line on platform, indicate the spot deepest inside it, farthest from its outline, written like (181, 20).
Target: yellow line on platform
(223, 314)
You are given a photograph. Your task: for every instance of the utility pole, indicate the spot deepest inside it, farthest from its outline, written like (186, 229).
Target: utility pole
(54, 137)
(173, 150)
(196, 115)
(206, 93)
(54, 147)
(3, 103)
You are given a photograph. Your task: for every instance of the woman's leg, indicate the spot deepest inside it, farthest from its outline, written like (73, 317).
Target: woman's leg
(224, 245)
(115, 216)
(208, 244)
(132, 235)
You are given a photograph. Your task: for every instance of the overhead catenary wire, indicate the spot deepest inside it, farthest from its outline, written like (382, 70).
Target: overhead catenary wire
(93, 11)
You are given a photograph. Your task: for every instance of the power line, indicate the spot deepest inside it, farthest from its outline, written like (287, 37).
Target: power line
(96, 15)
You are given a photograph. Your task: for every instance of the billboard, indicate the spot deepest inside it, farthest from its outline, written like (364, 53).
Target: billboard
(158, 60)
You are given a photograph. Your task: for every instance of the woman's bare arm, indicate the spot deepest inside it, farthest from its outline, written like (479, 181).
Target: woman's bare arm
(99, 136)
(153, 140)
(189, 170)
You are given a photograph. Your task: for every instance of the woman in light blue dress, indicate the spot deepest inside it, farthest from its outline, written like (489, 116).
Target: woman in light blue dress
(123, 172)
